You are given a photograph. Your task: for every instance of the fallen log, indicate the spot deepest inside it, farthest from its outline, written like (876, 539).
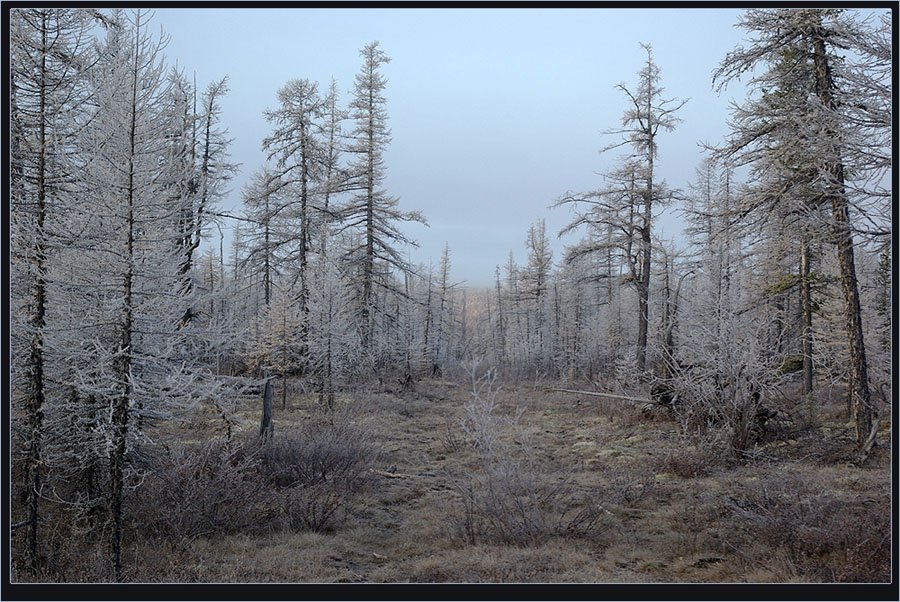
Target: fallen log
(609, 395)
(870, 442)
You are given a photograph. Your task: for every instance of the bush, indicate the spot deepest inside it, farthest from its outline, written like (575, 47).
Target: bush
(213, 488)
(827, 539)
(699, 456)
(318, 469)
(630, 485)
(512, 498)
(315, 507)
(689, 463)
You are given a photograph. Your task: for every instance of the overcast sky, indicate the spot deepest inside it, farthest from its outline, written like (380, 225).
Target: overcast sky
(494, 113)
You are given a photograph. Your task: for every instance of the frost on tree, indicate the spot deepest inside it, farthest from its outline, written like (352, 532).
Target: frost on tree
(820, 108)
(625, 206)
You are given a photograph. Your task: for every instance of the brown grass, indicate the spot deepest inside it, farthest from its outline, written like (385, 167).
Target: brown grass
(675, 510)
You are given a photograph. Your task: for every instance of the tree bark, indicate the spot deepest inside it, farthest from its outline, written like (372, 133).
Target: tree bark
(305, 243)
(266, 426)
(860, 396)
(369, 259)
(35, 404)
(123, 362)
(806, 315)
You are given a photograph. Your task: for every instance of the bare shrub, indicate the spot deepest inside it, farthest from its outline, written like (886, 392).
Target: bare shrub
(317, 454)
(826, 539)
(71, 550)
(725, 383)
(630, 486)
(515, 505)
(688, 464)
(316, 506)
(318, 469)
(451, 440)
(512, 498)
(700, 455)
(193, 491)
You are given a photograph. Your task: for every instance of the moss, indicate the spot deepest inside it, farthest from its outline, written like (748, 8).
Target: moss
(784, 283)
(791, 364)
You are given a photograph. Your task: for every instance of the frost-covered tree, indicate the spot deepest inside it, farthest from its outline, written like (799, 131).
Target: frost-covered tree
(49, 58)
(440, 319)
(535, 290)
(211, 173)
(371, 209)
(816, 100)
(334, 342)
(135, 362)
(261, 245)
(626, 205)
(278, 349)
(296, 148)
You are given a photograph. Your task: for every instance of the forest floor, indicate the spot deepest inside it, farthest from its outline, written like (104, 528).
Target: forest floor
(617, 496)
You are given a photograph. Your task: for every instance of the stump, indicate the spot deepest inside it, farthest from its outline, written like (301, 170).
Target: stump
(266, 426)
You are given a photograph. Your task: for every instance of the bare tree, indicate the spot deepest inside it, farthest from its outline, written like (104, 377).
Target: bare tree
(207, 185)
(371, 209)
(296, 146)
(49, 59)
(812, 36)
(626, 206)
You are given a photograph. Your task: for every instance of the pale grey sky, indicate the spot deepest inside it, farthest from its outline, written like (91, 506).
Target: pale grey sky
(495, 113)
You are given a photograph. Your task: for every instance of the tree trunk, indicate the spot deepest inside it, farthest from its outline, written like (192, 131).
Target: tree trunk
(266, 426)
(35, 404)
(267, 267)
(643, 290)
(369, 260)
(501, 334)
(806, 315)
(860, 397)
(305, 243)
(122, 403)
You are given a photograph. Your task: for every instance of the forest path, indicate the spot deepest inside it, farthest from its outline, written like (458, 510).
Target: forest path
(676, 511)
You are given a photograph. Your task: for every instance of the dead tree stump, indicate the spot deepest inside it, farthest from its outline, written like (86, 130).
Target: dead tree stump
(266, 426)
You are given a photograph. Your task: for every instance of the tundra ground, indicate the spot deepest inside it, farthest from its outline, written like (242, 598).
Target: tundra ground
(572, 489)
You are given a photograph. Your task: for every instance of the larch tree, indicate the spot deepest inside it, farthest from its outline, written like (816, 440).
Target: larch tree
(49, 59)
(785, 186)
(535, 289)
(261, 242)
(371, 209)
(211, 173)
(443, 314)
(715, 239)
(814, 36)
(296, 148)
(626, 206)
(142, 364)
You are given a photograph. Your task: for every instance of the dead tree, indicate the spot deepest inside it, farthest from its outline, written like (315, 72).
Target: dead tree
(267, 426)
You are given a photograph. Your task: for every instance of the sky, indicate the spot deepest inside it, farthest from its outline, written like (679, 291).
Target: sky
(494, 113)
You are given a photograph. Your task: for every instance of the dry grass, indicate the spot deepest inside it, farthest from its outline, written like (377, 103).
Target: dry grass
(675, 510)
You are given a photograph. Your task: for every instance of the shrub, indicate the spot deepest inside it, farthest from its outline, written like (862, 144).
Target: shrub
(318, 469)
(698, 456)
(511, 498)
(630, 485)
(193, 491)
(827, 539)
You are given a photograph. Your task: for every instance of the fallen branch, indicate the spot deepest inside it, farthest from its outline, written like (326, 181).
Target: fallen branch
(392, 475)
(608, 395)
(870, 442)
